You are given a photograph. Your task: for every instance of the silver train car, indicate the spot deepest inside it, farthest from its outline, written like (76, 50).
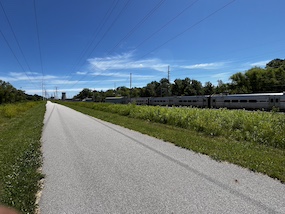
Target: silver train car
(262, 101)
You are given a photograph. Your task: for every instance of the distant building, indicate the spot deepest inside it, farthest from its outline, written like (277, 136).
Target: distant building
(63, 97)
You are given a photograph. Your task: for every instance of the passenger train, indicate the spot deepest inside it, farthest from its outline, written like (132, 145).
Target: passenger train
(265, 101)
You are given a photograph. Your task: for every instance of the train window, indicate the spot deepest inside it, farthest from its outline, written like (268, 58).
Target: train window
(214, 100)
(194, 101)
(180, 101)
(252, 101)
(243, 101)
(189, 101)
(271, 100)
(227, 101)
(277, 100)
(184, 101)
(234, 101)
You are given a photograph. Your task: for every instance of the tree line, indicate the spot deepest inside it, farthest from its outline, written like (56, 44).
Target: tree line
(255, 80)
(9, 94)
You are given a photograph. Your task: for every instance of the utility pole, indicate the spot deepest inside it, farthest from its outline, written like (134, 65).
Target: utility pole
(43, 90)
(115, 89)
(168, 74)
(55, 92)
(168, 91)
(46, 94)
(130, 80)
(130, 85)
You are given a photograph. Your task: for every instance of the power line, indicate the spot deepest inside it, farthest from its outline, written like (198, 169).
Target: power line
(17, 41)
(142, 21)
(100, 27)
(39, 45)
(15, 56)
(189, 28)
(120, 13)
(95, 34)
(179, 34)
(150, 13)
(167, 23)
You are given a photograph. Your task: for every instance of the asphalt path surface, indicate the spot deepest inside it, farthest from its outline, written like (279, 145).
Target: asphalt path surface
(93, 166)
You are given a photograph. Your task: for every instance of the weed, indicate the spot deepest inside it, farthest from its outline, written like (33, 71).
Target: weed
(20, 155)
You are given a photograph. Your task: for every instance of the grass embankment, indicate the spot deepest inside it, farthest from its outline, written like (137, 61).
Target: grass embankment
(20, 155)
(255, 140)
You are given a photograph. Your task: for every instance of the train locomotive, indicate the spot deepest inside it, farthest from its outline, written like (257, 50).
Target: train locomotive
(264, 101)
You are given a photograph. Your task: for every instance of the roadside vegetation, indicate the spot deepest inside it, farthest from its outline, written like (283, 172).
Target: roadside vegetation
(255, 140)
(20, 156)
(9, 94)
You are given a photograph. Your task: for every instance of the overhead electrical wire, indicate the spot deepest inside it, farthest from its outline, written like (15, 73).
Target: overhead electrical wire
(142, 21)
(189, 28)
(167, 23)
(105, 33)
(95, 34)
(98, 30)
(15, 56)
(15, 37)
(150, 13)
(184, 31)
(39, 46)
(163, 26)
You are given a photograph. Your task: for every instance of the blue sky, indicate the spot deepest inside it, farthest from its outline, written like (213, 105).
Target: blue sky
(69, 45)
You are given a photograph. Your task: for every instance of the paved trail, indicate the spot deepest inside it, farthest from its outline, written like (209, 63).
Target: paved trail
(96, 167)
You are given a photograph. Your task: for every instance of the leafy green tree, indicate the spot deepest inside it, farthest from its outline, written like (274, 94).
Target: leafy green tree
(240, 83)
(164, 88)
(9, 94)
(192, 87)
(222, 87)
(110, 93)
(135, 92)
(178, 87)
(123, 91)
(151, 89)
(209, 88)
(276, 63)
(85, 93)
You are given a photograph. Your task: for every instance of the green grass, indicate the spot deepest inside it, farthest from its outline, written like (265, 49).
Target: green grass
(256, 156)
(20, 156)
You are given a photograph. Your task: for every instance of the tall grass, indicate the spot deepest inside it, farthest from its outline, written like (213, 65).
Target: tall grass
(266, 128)
(12, 110)
(20, 155)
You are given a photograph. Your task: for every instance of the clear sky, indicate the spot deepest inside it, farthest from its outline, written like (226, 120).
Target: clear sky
(68, 45)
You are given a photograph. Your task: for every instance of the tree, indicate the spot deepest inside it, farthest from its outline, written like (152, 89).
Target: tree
(178, 87)
(85, 93)
(9, 94)
(192, 87)
(256, 78)
(209, 88)
(110, 93)
(151, 89)
(164, 88)
(276, 63)
(123, 91)
(240, 83)
(197, 87)
(222, 87)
